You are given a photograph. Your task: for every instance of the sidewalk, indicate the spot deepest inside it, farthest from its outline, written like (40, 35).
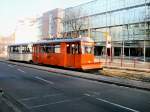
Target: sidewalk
(128, 69)
(125, 64)
(99, 78)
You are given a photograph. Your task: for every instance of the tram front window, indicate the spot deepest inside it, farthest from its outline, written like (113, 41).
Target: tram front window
(73, 48)
(87, 50)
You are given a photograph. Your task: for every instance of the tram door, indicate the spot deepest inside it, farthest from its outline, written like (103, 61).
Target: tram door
(70, 55)
(73, 55)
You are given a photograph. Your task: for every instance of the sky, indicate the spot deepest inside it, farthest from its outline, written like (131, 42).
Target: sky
(11, 11)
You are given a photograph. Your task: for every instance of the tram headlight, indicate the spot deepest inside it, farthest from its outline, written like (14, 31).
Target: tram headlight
(89, 61)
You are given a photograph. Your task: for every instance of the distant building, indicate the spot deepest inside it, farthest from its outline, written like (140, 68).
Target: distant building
(4, 42)
(51, 23)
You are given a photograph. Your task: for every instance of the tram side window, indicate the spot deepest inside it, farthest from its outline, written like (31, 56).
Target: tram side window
(36, 49)
(47, 49)
(50, 49)
(11, 49)
(42, 49)
(57, 49)
(25, 49)
(15, 49)
(28, 49)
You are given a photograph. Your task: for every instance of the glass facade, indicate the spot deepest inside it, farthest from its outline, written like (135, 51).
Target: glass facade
(125, 20)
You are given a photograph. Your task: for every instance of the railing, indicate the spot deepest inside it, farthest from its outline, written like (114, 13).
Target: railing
(131, 62)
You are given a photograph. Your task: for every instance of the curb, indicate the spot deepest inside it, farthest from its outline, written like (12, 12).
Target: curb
(103, 79)
(107, 81)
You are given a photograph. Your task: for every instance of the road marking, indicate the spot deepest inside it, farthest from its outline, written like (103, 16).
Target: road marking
(21, 70)
(113, 103)
(87, 94)
(32, 98)
(95, 93)
(58, 102)
(37, 106)
(117, 105)
(12, 66)
(49, 82)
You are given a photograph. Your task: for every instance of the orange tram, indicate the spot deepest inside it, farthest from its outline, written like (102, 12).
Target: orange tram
(76, 53)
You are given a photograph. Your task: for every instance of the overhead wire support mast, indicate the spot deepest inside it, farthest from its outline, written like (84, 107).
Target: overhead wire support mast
(145, 21)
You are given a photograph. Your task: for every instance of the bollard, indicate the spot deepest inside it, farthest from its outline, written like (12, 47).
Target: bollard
(134, 61)
(121, 61)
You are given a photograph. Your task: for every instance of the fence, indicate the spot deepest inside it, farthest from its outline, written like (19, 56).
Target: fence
(132, 62)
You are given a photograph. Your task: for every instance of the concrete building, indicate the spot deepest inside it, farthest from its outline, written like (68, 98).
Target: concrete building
(51, 23)
(126, 21)
(4, 42)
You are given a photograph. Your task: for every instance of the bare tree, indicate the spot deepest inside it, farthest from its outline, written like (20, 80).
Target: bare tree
(74, 21)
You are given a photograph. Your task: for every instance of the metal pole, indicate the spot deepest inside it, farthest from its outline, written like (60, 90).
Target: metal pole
(106, 31)
(121, 57)
(110, 38)
(106, 53)
(144, 51)
(129, 53)
(145, 33)
(122, 54)
(123, 50)
(110, 55)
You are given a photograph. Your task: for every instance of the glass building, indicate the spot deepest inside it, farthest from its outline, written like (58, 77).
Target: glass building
(126, 21)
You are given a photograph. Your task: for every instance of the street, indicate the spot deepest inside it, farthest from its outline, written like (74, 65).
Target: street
(41, 91)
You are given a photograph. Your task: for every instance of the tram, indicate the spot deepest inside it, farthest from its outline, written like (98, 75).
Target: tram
(75, 53)
(66, 52)
(20, 52)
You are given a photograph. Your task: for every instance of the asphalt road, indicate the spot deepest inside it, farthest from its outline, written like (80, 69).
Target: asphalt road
(40, 91)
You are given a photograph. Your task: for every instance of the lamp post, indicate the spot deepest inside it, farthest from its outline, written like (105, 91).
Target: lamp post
(145, 31)
(106, 31)
(89, 29)
(108, 43)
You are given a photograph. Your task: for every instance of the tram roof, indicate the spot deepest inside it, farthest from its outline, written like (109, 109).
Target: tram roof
(21, 44)
(56, 40)
(59, 40)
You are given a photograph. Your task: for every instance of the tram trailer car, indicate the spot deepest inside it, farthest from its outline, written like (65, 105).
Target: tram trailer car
(75, 53)
(20, 52)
